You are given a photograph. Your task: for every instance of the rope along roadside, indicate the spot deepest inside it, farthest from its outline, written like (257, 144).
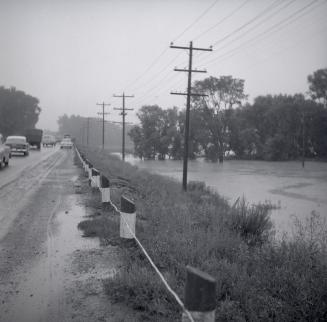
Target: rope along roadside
(171, 291)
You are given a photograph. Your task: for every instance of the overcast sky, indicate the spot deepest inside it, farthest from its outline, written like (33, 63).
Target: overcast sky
(72, 54)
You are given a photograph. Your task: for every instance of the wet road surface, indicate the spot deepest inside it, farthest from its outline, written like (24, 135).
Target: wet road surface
(48, 271)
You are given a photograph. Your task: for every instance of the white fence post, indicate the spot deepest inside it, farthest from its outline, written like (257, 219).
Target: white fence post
(105, 190)
(200, 296)
(127, 218)
(94, 178)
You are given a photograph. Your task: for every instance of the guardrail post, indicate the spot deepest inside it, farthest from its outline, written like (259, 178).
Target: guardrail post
(95, 175)
(127, 217)
(200, 296)
(105, 190)
(89, 171)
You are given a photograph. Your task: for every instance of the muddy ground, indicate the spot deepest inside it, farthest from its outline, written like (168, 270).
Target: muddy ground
(48, 271)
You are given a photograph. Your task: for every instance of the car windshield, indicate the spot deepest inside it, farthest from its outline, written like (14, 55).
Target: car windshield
(16, 140)
(66, 141)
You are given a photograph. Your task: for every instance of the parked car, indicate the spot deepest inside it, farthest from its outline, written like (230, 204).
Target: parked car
(66, 143)
(5, 154)
(17, 144)
(48, 140)
(34, 137)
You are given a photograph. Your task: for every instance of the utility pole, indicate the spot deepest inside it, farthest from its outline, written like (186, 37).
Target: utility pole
(87, 130)
(123, 113)
(303, 139)
(103, 104)
(188, 102)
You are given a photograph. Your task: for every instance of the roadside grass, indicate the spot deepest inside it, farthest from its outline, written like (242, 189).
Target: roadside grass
(258, 278)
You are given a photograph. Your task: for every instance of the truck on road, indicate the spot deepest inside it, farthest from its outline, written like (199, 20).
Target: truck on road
(34, 137)
(4, 153)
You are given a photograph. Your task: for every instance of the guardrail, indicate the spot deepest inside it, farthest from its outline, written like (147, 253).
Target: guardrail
(200, 288)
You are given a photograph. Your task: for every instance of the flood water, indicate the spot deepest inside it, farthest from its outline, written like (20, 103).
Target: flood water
(297, 191)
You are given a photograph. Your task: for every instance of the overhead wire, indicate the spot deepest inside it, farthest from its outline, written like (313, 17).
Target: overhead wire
(311, 36)
(280, 25)
(154, 62)
(273, 14)
(244, 25)
(256, 17)
(221, 21)
(196, 20)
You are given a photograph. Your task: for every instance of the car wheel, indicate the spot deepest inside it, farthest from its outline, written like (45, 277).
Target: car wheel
(7, 163)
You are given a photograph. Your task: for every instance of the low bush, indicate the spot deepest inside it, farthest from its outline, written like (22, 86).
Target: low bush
(258, 278)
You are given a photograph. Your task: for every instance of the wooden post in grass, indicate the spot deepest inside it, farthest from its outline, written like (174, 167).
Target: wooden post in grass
(200, 296)
(127, 217)
(105, 189)
(95, 174)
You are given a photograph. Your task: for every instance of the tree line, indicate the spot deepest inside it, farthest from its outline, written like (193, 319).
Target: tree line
(18, 111)
(273, 127)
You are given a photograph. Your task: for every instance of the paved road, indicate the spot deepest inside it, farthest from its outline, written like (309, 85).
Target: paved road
(33, 191)
(48, 271)
(19, 163)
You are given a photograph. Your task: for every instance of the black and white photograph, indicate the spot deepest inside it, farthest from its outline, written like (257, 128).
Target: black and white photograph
(163, 160)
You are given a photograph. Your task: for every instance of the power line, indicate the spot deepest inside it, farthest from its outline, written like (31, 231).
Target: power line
(280, 25)
(196, 20)
(249, 22)
(154, 62)
(157, 73)
(286, 4)
(221, 21)
(258, 16)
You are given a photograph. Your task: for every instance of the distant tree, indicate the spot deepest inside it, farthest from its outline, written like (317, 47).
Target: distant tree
(148, 136)
(18, 111)
(318, 86)
(223, 93)
(137, 137)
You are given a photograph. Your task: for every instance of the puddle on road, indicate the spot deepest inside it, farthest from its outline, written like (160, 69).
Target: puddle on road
(40, 295)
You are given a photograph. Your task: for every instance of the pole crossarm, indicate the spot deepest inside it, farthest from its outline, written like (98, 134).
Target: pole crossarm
(123, 95)
(192, 94)
(192, 71)
(193, 48)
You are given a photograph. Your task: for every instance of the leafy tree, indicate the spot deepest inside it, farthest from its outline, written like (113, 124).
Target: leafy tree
(150, 135)
(318, 86)
(18, 111)
(223, 93)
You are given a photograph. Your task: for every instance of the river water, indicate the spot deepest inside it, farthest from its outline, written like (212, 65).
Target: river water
(295, 190)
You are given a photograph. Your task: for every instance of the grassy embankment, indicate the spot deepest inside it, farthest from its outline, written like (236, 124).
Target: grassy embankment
(258, 278)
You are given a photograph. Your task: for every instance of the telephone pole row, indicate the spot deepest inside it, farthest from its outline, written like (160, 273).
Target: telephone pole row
(103, 104)
(123, 113)
(190, 48)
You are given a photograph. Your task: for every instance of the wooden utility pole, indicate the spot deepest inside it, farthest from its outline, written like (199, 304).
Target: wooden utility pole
(87, 131)
(103, 104)
(188, 102)
(303, 139)
(123, 113)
